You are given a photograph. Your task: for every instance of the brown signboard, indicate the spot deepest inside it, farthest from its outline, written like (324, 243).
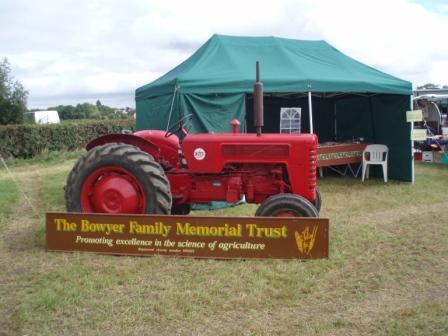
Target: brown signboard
(189, 236)
(339, 154)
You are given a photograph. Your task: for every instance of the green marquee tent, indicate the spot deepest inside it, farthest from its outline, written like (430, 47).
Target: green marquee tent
(348, 99)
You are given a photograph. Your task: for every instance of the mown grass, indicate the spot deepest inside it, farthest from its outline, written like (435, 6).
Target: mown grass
(46, 158)
(386, 274)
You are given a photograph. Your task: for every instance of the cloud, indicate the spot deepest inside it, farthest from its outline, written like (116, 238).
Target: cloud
(87, 48)
(398, 37)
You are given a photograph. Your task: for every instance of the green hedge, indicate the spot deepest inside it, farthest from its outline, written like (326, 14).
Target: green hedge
(25, 141)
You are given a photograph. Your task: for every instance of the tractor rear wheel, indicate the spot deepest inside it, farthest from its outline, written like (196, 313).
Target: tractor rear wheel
(118, 178)
(286, 205)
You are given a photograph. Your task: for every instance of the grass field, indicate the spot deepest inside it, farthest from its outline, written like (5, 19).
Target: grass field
(387, 273)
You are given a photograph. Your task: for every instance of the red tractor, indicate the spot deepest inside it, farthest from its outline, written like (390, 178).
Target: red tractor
(158, 172)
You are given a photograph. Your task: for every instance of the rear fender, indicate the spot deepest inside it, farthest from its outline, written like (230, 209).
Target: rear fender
(130, 139)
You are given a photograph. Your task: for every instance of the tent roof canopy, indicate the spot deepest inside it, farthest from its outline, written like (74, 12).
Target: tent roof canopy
(226, 64)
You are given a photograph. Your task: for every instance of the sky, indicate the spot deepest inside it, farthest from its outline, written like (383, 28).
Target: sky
(75, 51)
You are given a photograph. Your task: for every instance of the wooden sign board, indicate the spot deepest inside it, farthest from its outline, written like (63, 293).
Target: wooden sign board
(414, 116)
(189, 236)
(330, 155)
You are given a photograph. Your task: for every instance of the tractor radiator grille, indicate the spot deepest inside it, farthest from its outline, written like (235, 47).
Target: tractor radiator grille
(312, 169)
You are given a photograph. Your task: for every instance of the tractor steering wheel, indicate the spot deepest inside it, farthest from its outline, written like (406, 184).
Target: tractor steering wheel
(179, 126)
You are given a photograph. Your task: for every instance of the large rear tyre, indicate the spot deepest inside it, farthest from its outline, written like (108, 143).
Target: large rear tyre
(286, 205)
(118, 178)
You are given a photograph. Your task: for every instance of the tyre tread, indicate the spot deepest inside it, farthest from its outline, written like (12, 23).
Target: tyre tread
(285, 200)
(118, 151)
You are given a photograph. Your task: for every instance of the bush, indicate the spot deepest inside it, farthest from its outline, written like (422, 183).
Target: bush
(13, 97)
(26, 141)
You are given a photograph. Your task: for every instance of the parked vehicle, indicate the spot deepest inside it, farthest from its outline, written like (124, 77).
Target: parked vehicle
(158, 172)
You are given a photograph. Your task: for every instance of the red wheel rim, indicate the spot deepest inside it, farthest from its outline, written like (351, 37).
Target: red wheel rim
(112, 189)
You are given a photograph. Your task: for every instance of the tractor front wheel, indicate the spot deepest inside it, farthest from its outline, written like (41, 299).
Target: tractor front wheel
(318, 201)
(287, 205)
(118, 178)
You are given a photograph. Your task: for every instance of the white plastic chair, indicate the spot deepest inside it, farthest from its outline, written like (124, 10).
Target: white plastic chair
(374, 155)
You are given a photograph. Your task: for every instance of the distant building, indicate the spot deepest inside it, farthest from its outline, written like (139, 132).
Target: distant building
(44, 117)
(130, 112)
(422, 92)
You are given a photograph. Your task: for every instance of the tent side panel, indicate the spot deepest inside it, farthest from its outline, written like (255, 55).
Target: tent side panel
(153, 112)
(213, 112)
(354, 119)
(389, 115)
(323, 118)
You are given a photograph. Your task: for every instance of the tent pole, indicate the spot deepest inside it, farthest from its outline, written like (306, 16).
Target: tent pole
(171, 108)
(310, 110)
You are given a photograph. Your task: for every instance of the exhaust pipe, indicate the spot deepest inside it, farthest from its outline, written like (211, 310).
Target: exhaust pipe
(258, 101)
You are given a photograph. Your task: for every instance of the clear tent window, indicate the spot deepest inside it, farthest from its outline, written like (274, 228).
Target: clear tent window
(290, 118)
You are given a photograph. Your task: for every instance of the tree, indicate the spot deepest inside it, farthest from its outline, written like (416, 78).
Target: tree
(65, 112)
(427, 86)
(80, 111)
(13, 97)
(88, 111)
